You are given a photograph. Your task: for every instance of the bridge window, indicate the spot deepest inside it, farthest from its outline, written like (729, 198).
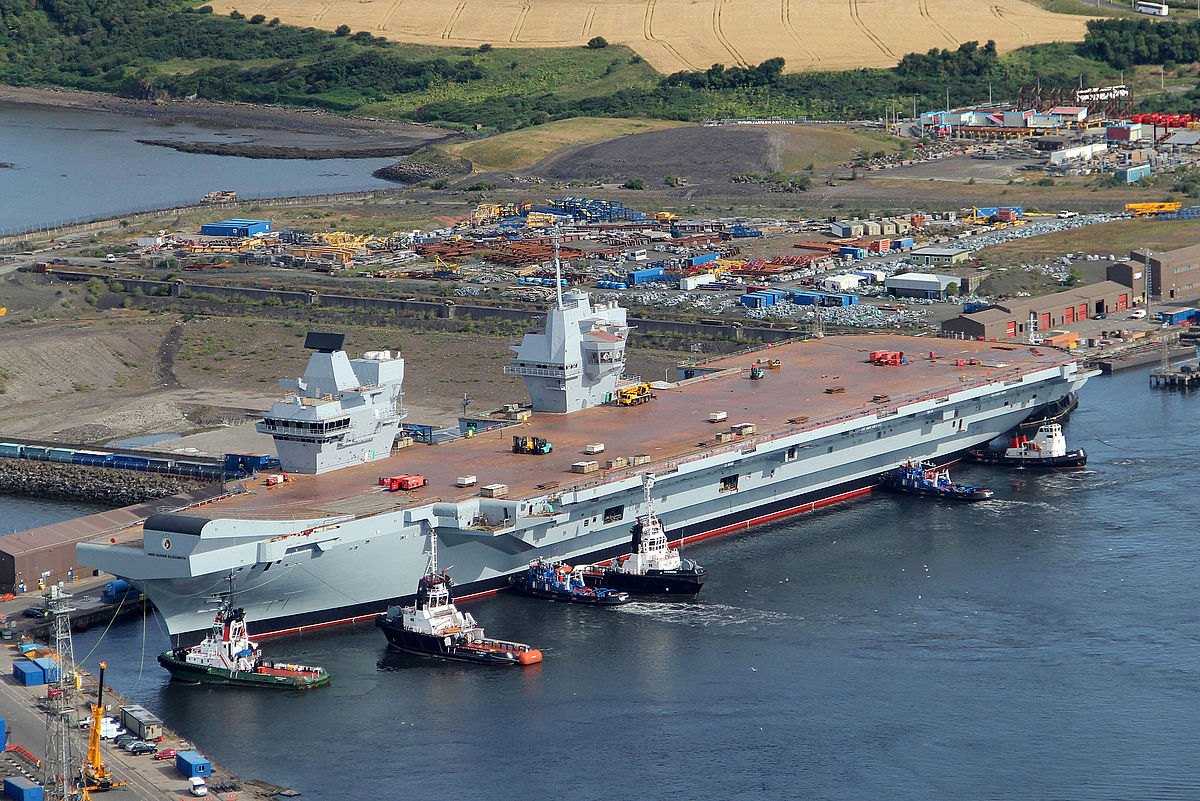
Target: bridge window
(729, 483)
(614, 514)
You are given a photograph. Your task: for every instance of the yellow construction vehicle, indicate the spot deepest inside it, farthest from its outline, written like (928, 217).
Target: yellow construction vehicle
(95, 775)
(634, 395)
(1151, 209)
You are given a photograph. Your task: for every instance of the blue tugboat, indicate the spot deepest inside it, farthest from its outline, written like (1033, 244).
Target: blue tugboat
(922, 478)
(559, 582)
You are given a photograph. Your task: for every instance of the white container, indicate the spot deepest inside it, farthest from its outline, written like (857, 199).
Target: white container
(718, 417)
(465, 481)
(595, 447)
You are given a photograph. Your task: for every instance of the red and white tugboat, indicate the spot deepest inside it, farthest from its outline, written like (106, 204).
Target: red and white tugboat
(1046, 451)
(433, 626)
(653, 567)
(228, 656)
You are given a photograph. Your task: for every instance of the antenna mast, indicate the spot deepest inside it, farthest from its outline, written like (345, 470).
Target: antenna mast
(557, 268)
(60, 769)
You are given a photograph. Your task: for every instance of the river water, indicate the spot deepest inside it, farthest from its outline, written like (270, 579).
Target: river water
(1040, 645)
(72, 166)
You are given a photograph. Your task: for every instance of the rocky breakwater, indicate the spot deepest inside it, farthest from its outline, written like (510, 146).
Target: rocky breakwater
(99, 485)
(426, 164)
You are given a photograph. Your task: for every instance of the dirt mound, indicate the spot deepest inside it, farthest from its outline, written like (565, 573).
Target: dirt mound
(700, 156)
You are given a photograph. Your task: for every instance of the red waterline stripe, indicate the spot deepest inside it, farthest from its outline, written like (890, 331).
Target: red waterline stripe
(795, 510)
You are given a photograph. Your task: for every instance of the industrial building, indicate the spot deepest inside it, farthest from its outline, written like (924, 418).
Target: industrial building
(1021, 317)
(921, 285)
(236, 228)
(1173, 275)
(938, 257)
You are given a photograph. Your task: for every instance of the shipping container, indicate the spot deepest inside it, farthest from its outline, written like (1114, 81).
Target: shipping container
(59, 455)
(37, 452)
(158, 465)
(92, 458)
(703, 258)
(20, 788)
(191, 763)
(3, 735)
(643, 276)
(129, 462)
(28, 674)
(49, 668)
(1133, 174)
(10, 450)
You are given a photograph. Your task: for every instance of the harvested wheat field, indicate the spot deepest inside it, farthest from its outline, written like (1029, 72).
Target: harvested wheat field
(677, 35)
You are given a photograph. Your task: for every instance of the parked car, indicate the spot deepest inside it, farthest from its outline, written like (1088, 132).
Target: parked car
(197, 786)
(121, 739)
(167, 753)
(139, 748)
(34, 611)
(1100, 316)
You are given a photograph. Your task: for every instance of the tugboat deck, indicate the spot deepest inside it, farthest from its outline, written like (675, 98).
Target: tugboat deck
(675, 426)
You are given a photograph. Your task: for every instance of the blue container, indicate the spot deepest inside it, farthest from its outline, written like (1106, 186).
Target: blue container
(236, 228)
(642, 276)
(60, 454)
(129, 462)
(37, 452)
(191, 763)
(19, 788)
(739, 231)
(703, 258)
(158, 465)
(49, 668)
(3, 735)
(804, 298)
(91, 458)
(852, 252)
(28, 674)
(1133, 174)
(11, 450)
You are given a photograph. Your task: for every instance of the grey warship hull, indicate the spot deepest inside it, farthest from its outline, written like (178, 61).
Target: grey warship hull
(353, 575)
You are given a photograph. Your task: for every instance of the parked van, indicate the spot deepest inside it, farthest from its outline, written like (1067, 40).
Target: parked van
(197, 786)
(1140, 314)
(111, 258)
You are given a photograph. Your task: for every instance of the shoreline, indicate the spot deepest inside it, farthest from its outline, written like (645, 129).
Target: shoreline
(367, 136)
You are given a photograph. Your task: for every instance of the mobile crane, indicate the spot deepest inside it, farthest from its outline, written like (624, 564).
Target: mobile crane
(95, 775)
(634, 395)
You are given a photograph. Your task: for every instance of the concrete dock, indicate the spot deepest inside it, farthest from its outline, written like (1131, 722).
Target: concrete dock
(22, 709)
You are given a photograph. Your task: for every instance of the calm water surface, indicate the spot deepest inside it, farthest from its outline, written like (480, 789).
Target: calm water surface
(74, 165)
(1043, 645)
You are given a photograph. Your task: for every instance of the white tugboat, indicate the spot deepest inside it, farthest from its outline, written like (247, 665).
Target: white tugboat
(653, 567)
(1047, 450)
(433, 626)
(228, 656)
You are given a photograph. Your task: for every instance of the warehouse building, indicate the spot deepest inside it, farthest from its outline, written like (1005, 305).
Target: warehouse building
(1173, 275)
(236, 228)
(1021, 317)
(922, 285)
(938, 257)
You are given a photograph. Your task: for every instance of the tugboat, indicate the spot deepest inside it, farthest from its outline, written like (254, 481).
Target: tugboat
(923, 478)
(560, 582)
(433, 626)
(228, 656)
(653, 567)
(1047, 451)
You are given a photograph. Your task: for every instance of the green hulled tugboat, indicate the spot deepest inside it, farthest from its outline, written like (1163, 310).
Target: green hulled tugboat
(228, 656)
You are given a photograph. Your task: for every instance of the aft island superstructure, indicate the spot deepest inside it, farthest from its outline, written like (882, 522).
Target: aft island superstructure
(819, 424)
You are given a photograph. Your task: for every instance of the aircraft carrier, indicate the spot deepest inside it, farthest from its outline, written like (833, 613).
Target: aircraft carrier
(805, 423)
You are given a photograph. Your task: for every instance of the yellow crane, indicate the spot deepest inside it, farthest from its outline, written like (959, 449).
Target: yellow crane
(634, 395)
(1151, 209)
(95, 775)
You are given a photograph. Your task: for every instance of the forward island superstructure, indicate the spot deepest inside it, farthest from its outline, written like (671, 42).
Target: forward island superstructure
(820, 426)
